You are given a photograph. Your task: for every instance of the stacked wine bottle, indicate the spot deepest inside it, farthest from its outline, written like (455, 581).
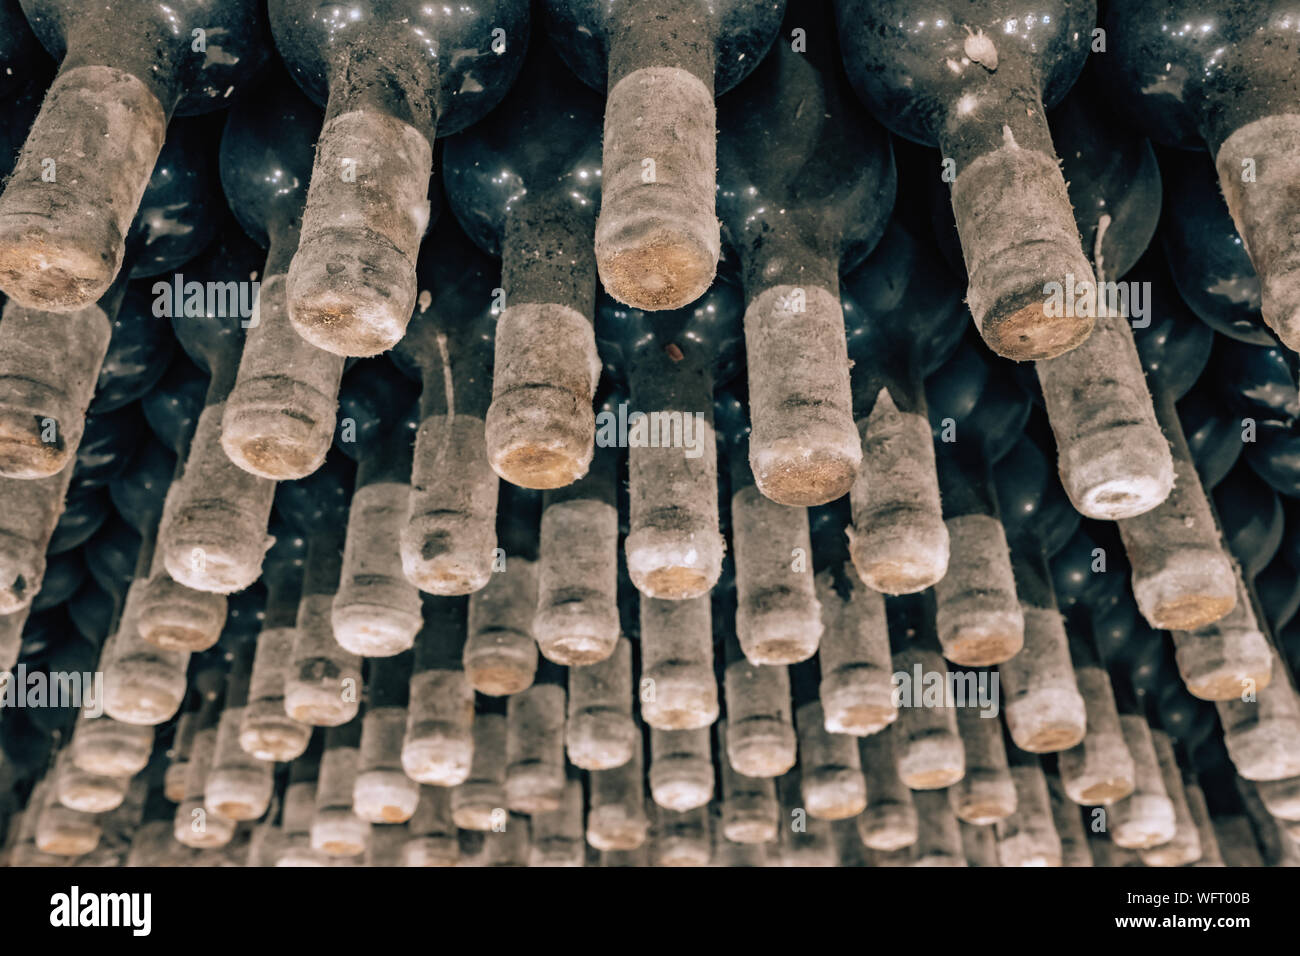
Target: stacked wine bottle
(870, 439)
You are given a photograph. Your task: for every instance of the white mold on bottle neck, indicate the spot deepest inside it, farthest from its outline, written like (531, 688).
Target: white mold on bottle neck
(600, 733)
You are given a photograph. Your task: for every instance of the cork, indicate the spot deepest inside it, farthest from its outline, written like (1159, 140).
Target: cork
(927, 747)
(376, 609)
(760, 731)
(266, 731)
(577, 582)
(750, 812)
(439, 744)
(102, 746)
(477, 800)
(61, 830)
(1266, 214)
(1114, 462)
(450, 533)
(986, 793)
(336, 830)
(557, 837)
(674, 550)
(383, 793)
(280, 415)
(1182, 578)
(1145, 818)
(1069, 825)
(1200, 813)
(62, 242)
(979, 844)
(600, 733)
(299, 809)
(351, 285)
(239, 785)
(831, 777)
(805, 449)
(1044, 710)
(143, 684)
(977, 614)
(898, 541)
(1262, 734)
(179, 618)
(1185, 846)
(939, 836)
(1010, 258)
(1028, 837)
(856, 687)
(500, 654)
(1223, 659)
(889, 822)
(541, 427)
(11, 637)
(535, 749)
(658, 239)
(1281, 797)
(778, 617)
(681, 769)
(49, 365)
(616, 813)
(31, 510)
(89, 792)
(680, 838)
(1097, 771)
(322, 684)
(213, 531)
(805, 840)
(194, 826)
(678, 689)
(431, 831)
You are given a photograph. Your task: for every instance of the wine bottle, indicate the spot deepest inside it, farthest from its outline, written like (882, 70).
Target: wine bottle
(987, 791)
(432, 832)
(760, 738)
(1261, 728)
(976, 415)
(1227, 85)
(1043, 708)
(1145, 818)
(890, 822)
(750, 811)
(438, 747)
(927, 749)
(1112, 459)
(194, 825)
(1028, 837)
(279, 416)
(213, 531)
(336, 829)
(600, 733)
(387, 92)
(55, 361)
(65, 213)
(977, 82)
(266, 731)
(534, 744)
(671, 363)
(778, 617)
(322, 681)
(904, 317)
(240, 784)
(805, 192)
(500, 655)
(557, 837)
(536, 209)
(1185, 846)
(447, 542)
(383, 793)
(1182, 578)
(832, 786)
(856, 689)
(616, 812)
(657, 239)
